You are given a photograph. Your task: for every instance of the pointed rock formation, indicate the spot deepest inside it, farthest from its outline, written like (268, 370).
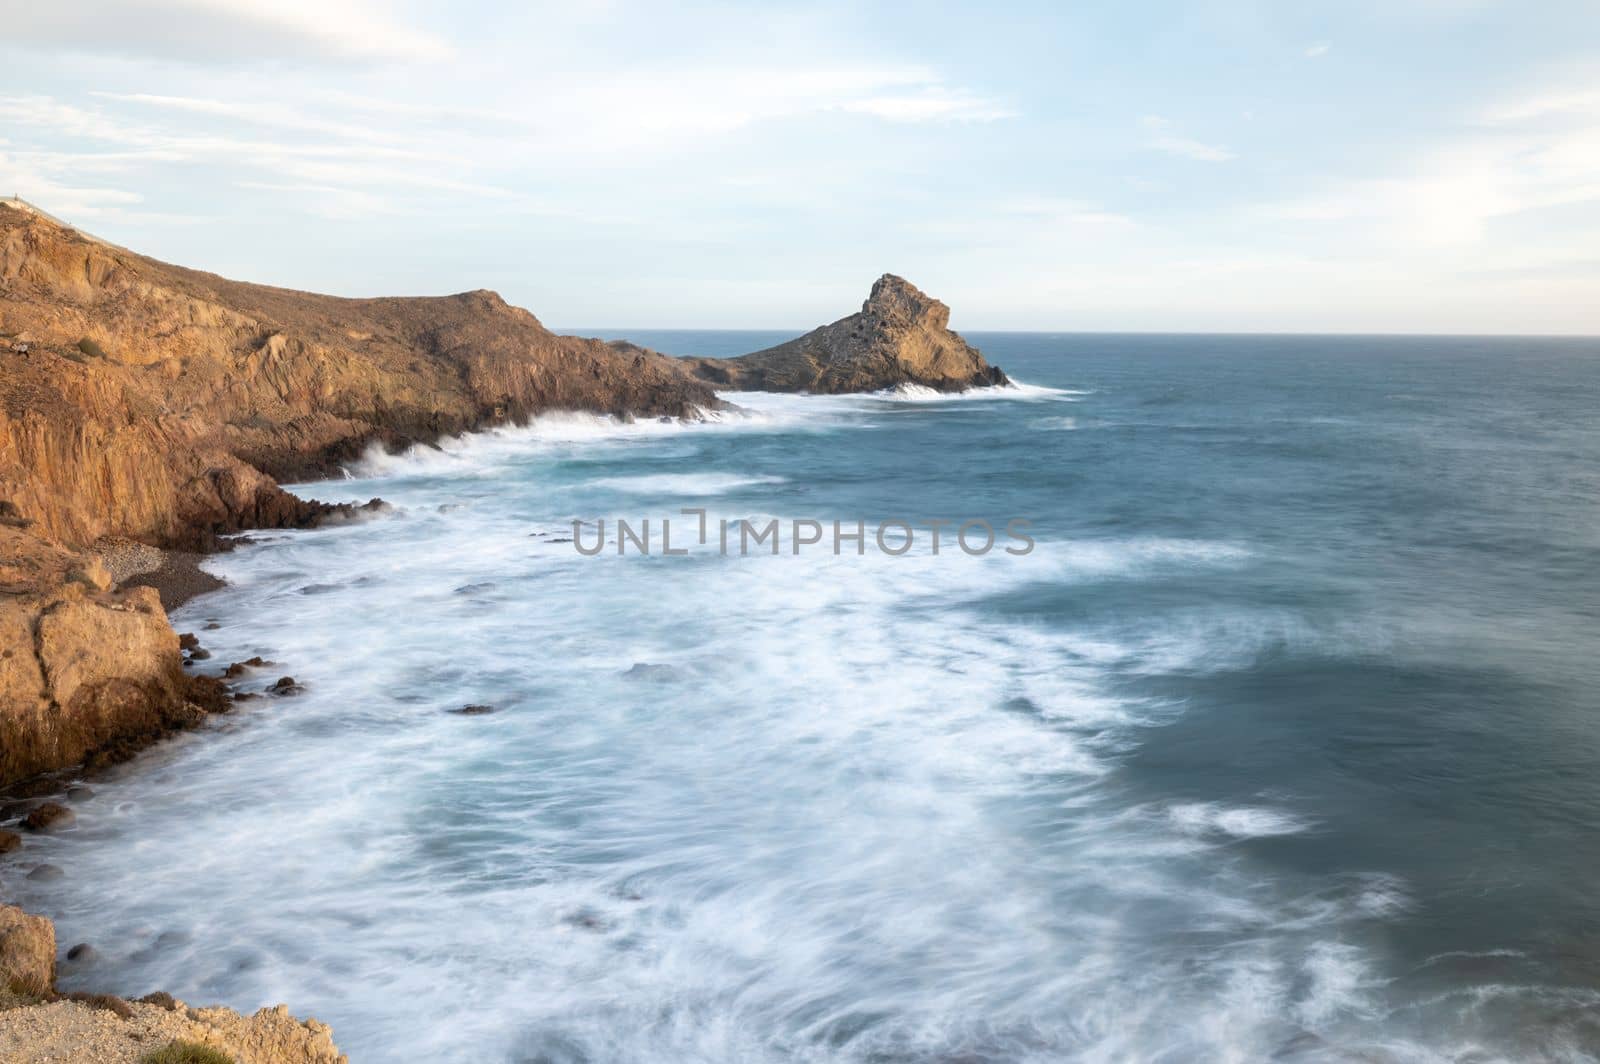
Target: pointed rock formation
(901, 336)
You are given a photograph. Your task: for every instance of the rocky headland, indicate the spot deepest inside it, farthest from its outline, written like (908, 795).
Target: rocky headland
(147, 404)
(146, 411)
(900, 336)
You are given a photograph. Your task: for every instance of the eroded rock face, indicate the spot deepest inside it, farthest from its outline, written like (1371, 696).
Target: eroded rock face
(82, 670)
(144, 402)
(27, 952)
(901, 336)
(159, 403)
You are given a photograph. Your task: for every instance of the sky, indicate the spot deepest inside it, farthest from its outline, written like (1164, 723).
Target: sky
(1232, 165)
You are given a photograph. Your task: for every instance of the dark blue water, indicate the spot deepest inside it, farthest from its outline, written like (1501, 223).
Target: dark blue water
(1283, 744)
(1411, 657)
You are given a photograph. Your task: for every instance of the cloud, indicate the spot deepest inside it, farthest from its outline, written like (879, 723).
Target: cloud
(256, 113)
(1581, 102)
(933, 103)
(1163, 140)
(1321, 48)
(223, 31)
(23, 177)
(1525, 155)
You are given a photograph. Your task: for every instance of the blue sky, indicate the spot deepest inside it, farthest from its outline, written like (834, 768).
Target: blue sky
(1252, 165)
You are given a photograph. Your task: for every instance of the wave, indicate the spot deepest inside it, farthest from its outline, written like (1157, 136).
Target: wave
(1244, 822)
(486, 452)
(1015, 390)
(684, 483)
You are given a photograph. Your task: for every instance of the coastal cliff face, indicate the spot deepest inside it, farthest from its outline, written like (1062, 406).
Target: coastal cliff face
(145, 405)
(147, 400)
(84, 669)
(901, 336)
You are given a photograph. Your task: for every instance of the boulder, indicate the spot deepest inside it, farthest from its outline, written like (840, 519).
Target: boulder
(27, 952)
(51, 816)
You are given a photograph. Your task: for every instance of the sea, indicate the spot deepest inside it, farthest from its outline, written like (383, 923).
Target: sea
(1267, 728)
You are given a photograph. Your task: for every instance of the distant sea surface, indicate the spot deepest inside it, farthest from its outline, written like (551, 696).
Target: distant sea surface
(1282, 744)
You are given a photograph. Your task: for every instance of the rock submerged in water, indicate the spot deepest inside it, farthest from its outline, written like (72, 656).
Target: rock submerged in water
(51, 816)
(239, 668)
(901, 336)
(286, 686)
(650, 673)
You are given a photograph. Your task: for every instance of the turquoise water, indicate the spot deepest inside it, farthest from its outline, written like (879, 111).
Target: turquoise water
(1282, 743)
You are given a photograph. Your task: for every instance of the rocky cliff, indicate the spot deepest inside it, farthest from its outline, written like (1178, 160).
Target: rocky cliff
(142, 399)
(901, 336)
(157, 404)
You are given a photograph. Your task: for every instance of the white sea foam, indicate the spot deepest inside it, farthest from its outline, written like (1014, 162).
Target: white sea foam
(1244, 822)
(1015, 390)
(684, 483)
(845, 812)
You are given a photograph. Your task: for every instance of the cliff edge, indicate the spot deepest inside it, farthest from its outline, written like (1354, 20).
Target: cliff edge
(900, 336)
(148, 403)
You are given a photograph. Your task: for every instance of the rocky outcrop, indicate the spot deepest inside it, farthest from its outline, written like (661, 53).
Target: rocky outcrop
(85, 670)
(901, 336)
(146, 400)
(146, 403)
(37, 1024)
(27, 953)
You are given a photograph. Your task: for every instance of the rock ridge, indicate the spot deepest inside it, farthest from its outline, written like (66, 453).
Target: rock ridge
(900, 336)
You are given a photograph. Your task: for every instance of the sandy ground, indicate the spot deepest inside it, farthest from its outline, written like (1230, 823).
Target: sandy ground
(71, 1032)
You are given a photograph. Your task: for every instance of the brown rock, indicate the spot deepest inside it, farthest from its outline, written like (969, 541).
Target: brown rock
(104, 666)
(109, 1002)
(9, 841)
(27, 952)
(213, 387)
(156, 408)
(901, 336)
(11, 516)
(51, 816)
(239, 668)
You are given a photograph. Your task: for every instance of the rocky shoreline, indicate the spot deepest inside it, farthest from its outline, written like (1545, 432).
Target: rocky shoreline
(145, 412)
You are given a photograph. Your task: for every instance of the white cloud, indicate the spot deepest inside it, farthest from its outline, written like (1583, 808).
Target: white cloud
(934, 103)
(1321, 48)
(1163, 140)
(1582, 102)
(1527, 155)
(207, 31)
(256, 113)
(22, 177)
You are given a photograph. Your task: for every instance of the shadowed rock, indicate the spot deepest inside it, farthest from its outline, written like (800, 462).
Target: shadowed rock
(51, 816)
(901, 336)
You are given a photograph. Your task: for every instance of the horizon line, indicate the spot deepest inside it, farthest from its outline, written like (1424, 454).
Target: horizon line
(589, 331)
